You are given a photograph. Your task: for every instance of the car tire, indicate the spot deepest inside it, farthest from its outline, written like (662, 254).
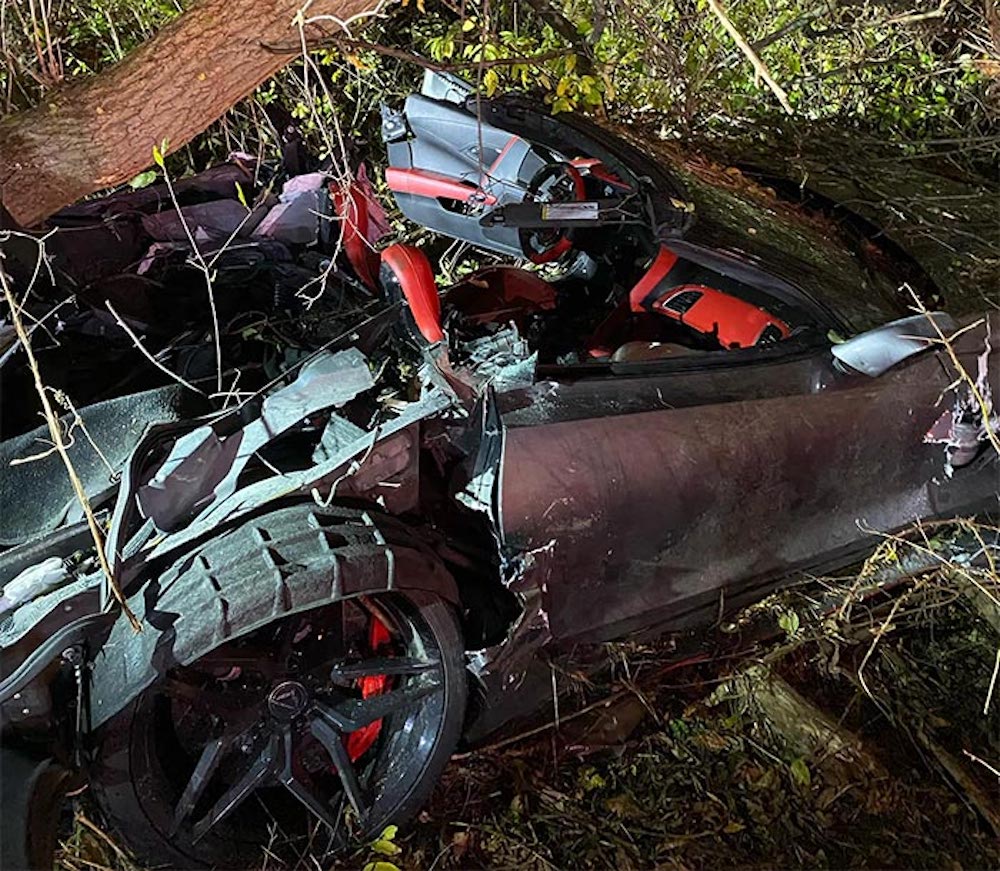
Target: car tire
(33, 793)
(126, 781)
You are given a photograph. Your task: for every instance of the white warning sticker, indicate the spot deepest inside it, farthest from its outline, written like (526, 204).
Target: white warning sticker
(570, 212)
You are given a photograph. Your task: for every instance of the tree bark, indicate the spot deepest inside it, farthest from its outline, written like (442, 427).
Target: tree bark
(101, 132)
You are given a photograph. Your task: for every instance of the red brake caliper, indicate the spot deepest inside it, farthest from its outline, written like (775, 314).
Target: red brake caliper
(360, 740)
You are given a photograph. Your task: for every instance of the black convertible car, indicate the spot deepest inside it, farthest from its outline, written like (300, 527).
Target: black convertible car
(665, 396)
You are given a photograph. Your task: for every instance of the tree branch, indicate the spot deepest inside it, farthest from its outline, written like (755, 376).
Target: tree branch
(751, 55)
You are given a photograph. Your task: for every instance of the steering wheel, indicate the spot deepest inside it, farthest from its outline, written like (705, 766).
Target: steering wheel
(557, 182)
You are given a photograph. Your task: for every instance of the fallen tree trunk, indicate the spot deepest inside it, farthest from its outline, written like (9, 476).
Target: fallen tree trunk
(101, 132)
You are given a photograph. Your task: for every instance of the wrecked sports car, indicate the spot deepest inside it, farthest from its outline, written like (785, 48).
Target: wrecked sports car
(354, 533)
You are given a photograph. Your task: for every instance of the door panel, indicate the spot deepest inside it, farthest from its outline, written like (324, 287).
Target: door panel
(665, 509)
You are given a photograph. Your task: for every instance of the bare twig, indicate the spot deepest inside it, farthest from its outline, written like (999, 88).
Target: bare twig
(607, 701)
(56, 434)
(105, 837)
(991, 768)
(758, 65)
(917, 17)
(142, 349)
(206, 270)
(993, 683)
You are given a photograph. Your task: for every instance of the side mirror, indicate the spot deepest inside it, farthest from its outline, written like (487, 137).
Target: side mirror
(878, 350)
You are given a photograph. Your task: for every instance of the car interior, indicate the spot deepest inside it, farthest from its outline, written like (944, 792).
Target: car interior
(590, 279)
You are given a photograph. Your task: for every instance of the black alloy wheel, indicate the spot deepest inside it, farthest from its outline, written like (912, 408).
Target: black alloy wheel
(300, 738)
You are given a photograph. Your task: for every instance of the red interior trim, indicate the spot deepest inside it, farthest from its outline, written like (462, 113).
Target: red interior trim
(599, 171)
(352, 209)
(425, 183)
(578, 184)
(554, 253)
(663, 263)
(735, 322)
(503, 153)
(416, 279)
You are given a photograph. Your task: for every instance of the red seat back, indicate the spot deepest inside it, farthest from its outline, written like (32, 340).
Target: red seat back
(411, 270)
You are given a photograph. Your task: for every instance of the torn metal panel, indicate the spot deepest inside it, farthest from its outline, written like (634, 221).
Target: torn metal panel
(58, 602)
(205, 465)
(972, 424)
(503, 360)
(32, 582)
(480, 491)
(337, 435)
(514, 675)
(877, 351)
(30, 466)
(321, 477)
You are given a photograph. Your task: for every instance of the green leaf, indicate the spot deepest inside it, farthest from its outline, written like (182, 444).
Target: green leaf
(386, 848)
(160, 151)
(800, 772)
(242, 197)
(491, 81)
(379, 865)
(383, 844)
(468, 24)
(789, 621)
(143, 180)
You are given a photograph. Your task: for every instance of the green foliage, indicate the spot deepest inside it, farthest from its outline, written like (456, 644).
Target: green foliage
(143, 180)
(44, 48)
(850, 65)
(799, 770)
(384, 845)
(558, 76)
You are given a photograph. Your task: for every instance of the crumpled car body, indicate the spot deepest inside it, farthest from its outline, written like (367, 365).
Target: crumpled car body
(583, 459)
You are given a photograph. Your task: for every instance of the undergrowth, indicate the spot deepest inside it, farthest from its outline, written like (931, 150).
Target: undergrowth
(923, 79)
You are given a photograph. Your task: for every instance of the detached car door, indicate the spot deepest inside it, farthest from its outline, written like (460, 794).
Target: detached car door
(664, 492)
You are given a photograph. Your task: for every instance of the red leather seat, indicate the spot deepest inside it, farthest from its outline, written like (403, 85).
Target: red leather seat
(353, 207)
(410, 271)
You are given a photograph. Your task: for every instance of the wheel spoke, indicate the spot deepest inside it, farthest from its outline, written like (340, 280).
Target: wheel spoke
(331, 740)
(313, 803)
(263, 768)
(203, 771)
(392, 666)
(350, 715)
(290, 705)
